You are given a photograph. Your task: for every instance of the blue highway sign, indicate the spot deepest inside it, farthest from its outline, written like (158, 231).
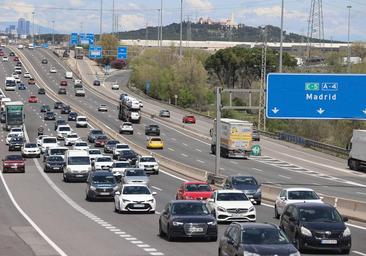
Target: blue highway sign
(74, 39)
(95, 52)
(90, 38)
(83, 38)
(316, 96)
(122, 52)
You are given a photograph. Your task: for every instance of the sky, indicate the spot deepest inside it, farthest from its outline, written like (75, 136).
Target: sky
(84, 15)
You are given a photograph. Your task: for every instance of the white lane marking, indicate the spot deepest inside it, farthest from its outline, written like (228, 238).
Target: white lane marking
(361, 193)
(120, 233)
(150, 249)
(233, 162)
(131, 238)
(171, 149)
(256, 169)
(157, 188)
(359, 253)
(200, 161)
(143, 245)
(31, 222)
(199, 150)
(156, 253)
(173, 176)
(136, 242)
(184, 144)
(283, 176)
(184, 155)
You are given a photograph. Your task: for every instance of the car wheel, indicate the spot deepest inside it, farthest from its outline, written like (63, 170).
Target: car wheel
(161, 233)
(65, 179)
(131, 133)
(115, 208)
(220, 254)
(169, 236)
(213, 238)
(298, 244)
(152, 212)
(87, 197)
(258, 202)
(345, 251)
(276, 214)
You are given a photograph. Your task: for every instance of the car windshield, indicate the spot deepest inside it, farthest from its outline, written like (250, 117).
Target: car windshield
(103, 159)
(64, 129)
(81, 144)
(16, 140)
(319, 214)
(14, 157)
(102, 137)
(59, 122)
(112, 142)
(187, 208)
(133, 190)
(156, 139)
(82, 119)
(257, 235)
(55, 159)
(49, 140)
(72, 114)
(197, 187)
(78, 160)
(104, 179)
(16, 130)
(128, 153)
(30, 145)
(302, 195)
(96, 132)
(121, 165)
(244, 181)
(122, 146)
(231, 197)
(58, 151)
(136, 172)
(95, 152)
(127, 125)
(72, 136)
(147, 159)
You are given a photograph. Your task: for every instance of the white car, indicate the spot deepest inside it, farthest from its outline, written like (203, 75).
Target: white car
(134, 198)
(71, 138)
(126, 128)
(294, 195)
(77, 81)
(15, 76)
(39, 139)
(17, 130)
(231, 205)
(103, 162)
(27, 75)
(5, 58)
(81, 121)
(30, 150)
(62, 131)
(80, 145)
(119, 167)
(94, 153)
(102, 107)
(119, 147)
(148, 163)
(53, 70)
(68, 75)
(48, 142)
(10, 136)
(115, 86)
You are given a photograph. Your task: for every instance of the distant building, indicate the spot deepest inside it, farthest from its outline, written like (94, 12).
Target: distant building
(27, 27)
(21, 26)
(226, 23)
(10, 29)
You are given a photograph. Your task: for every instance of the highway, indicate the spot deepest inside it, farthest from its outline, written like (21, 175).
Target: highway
(92, 228)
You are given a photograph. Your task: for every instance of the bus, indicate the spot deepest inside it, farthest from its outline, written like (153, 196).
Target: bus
(79, 52)
(14, 114)
(10, 84)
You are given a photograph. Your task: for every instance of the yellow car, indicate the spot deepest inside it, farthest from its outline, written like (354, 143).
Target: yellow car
(155, 143)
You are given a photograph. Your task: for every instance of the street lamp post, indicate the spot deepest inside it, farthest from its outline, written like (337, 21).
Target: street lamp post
(33, 27)
(161, 23)
(181, 29)
(349, 44)
(53, 32)
(101, 20)
(281, 37)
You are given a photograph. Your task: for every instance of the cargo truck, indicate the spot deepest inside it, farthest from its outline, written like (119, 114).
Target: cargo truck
(14, 114)
(357, 154)
(79, 52)
(236, 138)
(129, 111)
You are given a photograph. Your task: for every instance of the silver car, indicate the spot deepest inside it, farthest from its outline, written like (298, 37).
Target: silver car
(135, 175)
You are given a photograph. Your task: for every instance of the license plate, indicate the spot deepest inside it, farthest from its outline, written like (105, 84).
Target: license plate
(79, 175)
(329, 241)
(14, 167)
(139, 205)
(104, 193)
(237, 215)
(194, 229)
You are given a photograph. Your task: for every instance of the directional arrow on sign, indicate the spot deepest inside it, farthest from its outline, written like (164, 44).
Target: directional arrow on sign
(364, 111)
(275, 110)
(320, 111)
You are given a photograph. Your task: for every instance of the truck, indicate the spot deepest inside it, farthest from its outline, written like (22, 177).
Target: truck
(236, 138)
(14, 114)
(357, 153)
(79, 52)
(129, 112)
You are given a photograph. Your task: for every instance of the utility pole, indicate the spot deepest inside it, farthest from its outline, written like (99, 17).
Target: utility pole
(349, 44)
(189, 31)
(315, 24)
(159, 10)
(53, 32)
(218, 131)
(281, 36)
(161, 23)
(181, 29)
(262, 111)
(33, 28)
(113, 21)
(101, 20)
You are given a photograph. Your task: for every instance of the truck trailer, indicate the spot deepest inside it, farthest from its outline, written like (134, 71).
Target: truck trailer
(357, 154)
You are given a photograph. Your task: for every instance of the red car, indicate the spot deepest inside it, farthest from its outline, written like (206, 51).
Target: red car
(16, 58)
(100, 141)
(13, 163)
(189, 120)
(194, 190)
(1, 53)
(63, 83)
(32, 99)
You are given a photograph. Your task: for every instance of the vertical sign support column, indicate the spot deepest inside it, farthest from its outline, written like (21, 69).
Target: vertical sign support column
(218, 130)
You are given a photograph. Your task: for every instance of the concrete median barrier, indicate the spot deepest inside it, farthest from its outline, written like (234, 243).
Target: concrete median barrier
(352, 209)
(270, 192)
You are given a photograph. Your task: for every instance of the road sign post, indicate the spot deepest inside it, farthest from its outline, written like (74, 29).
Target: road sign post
(316, 96)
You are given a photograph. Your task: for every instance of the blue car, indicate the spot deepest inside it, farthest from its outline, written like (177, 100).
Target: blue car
(21, 86)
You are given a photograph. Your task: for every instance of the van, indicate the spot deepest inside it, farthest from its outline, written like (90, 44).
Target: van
(10, 84)
(68, 75)
(77, 165)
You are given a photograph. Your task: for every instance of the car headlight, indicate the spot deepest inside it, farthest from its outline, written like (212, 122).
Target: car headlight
(251, 209)
(125, 201)
(250, 254)
(212, 223)
(93, 188)
(221, 209)
(151, 200)
(177, 223)
(259, 190)
(115, 188)
(156, 167)
(347, 232)
(305, 231)
(295, 254)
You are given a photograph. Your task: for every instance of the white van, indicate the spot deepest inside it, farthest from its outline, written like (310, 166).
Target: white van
(68, 75)
(81, 121)
(10, 84)
(77, 165)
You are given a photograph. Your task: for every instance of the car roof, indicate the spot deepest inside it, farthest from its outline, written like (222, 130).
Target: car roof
(307, 205)
(299, 189)
(187, 201)
(242, 176)
(102, 173)
(244, 225)
(229, 191)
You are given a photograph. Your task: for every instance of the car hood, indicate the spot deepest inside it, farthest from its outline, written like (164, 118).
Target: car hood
(325, 226)
(199, 194)
(55, 162)
(13, 162)
(193, 218)
(139, 179)
(275, 249)
(137, 197)
(234, 204)
(246, 188)
(104, 185)
(304, 201)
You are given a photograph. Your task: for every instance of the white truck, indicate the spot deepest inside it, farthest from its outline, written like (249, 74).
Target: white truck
(357, 154)
(236, 138)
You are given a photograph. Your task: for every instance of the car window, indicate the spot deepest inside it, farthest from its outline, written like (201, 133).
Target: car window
(55, 159)
(147, 159)
(231, 197)
(244, 181)
(104, 179)
(131, 190)
(197, 187)
(319, 214)
(233, 234)
(137, 172)
(263, 236)
(156, 139)
(189, 209)
(14, 157)
(283, 193)
(302, 195)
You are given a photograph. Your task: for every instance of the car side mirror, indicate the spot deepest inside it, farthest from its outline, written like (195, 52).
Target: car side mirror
(321, 197)
(154, 193)
(345, 219)
(117, 193)
(282, 198)
(227, 186)
(210, 200)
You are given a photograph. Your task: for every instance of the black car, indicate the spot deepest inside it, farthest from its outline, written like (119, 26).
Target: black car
(44, 61)
(248, 184)
(110, 145)
(72, 116)
(60, 122)
(62, 90)
(41, 91)
(21, 86)
(19, 64)
(128, 155)
(122, 96)
(65, 54)
(49, 116)
(93, 133)
(66, 109)
(12, 54)
(100, 184)
(164, 113)
(45, 108)
(16, 143)
(58, 105)
(255, 239)
(152, 130)
(54, 164)
(96, 83)
(187, 218)
(316, 226)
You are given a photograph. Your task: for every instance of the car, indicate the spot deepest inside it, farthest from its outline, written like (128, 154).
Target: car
(126, 127)
(194, 190)
(248, 184)
(96, 83)
(13, 163)
(68, 75)
(231, 205)
(58, 105)
(72, 116)
(94, 153)
(66, 109)
(255, 239)
(71, 138)
(255, 135)
(93, 133)
(316, 226)
(294, 195)
(18, 64)
(54, 163)
(186, 218)
(77, 165)
(12, 54)
(128, 155)
(65, 54)
(119, 167)
(100, 140)
(155, 143)
(17, 130)
(41, 91)
(31, 80)
(16, 143)
(45, 108)
(80, 92)
(110, 146)
(54, 151)
(39, 139)
(63, 83)
(118, 148)
(3, 117)
(32, 99)
(18, 70)
(115, 86)
(62, 131)
(49, 116)
(189, 120)
(80, 145)
(15, 75)
(103, 108)
(59, 122)
(77, 82)
(135, 175)
(30, 150)
(5, 59)
(141, 104)
(62, 90)
(48, 142)
(26, 75)
(148, 163)
(22, 86)
(103, 162)
(164, 113)
(44, 61)
(152, 130)
(53, 70)
(16, 58)
(81, 121)
(10, 136)
(123, 96)
(101, 184)
(134, 198)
